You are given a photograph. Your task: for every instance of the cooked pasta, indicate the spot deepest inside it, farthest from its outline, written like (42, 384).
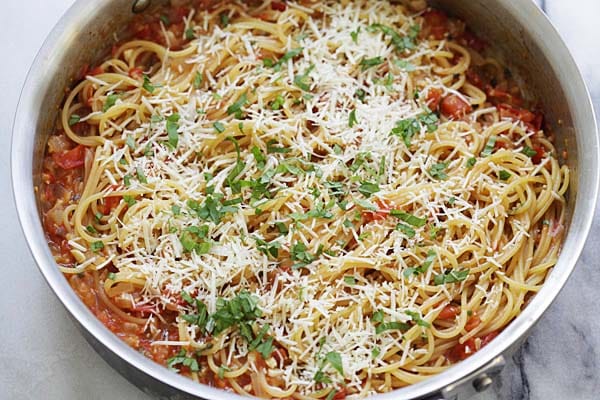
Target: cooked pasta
(303, 200)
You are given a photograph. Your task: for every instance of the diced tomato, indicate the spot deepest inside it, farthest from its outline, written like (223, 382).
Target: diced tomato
(498, 95)
(449, 312)
(468, 348)
(340, 394)
(434, 96)
(485, 339)
(70, 159)
(177, 14)
(540, 153)
(278, 6)
(473, 322)
(110, 203)
(501, 144)
(96, 71)
(454, 107)
(473, 41)
(436, 23)
(382, 212)
(516, 113)
(474, 78)
(136, 72)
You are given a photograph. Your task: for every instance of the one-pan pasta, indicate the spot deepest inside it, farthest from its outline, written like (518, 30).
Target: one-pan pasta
(313, 199)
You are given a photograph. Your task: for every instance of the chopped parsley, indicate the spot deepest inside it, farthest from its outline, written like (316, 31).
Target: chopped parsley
(367, 63)
(401, 43)
(140, 175)
(407, 230)
(451, 277)
(193, 239)
(299, 253)
(528, 151)
(236, 108)
(409, 218)
(303, 81)
(148, 86)
(489, 147)
(350, 280)
(504, 175)
(110, 101)
(97, 246)
(277, 103)
(197, 80)
(415, 316)
(189, 34)
(183, 359)
(392, 326)
(438, 171)
(268, 248)
(431, 255)
(219, 127)
(224, 19)
(367, 188)
(360, 94)
(354, 35)
(74, 119)
(404, 65)
(352, 119)
(172, 127)
(471, 162)
(91, 229)
(284, 59)
(130, 142)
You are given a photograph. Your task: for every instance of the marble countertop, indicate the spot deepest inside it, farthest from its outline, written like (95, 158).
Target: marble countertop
(42, 355)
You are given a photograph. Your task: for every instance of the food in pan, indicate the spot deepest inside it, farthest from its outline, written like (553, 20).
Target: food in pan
(310, 200)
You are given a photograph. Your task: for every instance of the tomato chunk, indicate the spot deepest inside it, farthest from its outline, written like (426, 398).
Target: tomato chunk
(436, 23)
(473, 322)
(434, 96)
(70, 159)
(136, 72)
(278, 6)
(464, 350)
(449, 312)
(454, 107)
(382, 212)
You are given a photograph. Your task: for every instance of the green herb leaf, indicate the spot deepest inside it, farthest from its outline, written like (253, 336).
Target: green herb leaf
(335, 360)
(277, 103)
(451, 277)
(148, 86)
(504, 175)
(489, 147)
(236, 108)
(189, 34)
(365, 204)
(375, 352)
(409, 218)
(224, 19)
(352, 119)
(392, 326)
(266, 348)
(287, 56)
(91, 229)
(415, 316)
(259, 157)
(110, 101)
(172, 127)
(276, 149)
(471, 162)
(401, 43)
(299, 253)
(360, 94)
(367, 63)
(165, 20)
(438, 171)
(197, 80)
(407, 230)
(368, 188)
(350, 280)
(405, 65)
(354, 35)
(528, 151)
(219, 127)
(97, 246)
(130, 142)
(130, 200)
(74, 119)
(140, 175)
(183, 359)
(303, 81)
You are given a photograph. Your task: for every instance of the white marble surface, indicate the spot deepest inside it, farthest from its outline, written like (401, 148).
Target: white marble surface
(42, 356)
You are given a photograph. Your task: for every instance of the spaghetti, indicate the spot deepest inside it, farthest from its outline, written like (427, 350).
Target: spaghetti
(307, 200)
